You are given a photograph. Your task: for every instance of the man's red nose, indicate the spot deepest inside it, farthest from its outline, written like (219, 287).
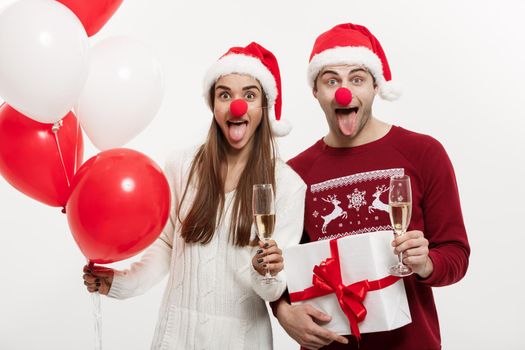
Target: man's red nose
(343, 96)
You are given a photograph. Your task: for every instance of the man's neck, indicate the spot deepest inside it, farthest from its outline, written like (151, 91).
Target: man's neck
(373, 130)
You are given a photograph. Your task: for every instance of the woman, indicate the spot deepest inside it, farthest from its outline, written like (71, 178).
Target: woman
(214, 298)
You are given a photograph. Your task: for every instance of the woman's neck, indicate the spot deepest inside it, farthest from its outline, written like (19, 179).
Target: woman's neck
(236, 160)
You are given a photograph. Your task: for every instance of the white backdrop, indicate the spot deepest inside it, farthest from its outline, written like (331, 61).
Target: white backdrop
(462, 66)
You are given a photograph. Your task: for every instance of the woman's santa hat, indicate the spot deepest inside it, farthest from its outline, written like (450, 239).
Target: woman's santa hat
(352, 44)
(256, 61)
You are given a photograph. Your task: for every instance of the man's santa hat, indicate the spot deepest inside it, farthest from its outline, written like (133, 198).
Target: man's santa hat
(261, 64)
(352, 44)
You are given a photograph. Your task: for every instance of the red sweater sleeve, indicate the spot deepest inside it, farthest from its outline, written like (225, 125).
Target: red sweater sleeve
(444, 227)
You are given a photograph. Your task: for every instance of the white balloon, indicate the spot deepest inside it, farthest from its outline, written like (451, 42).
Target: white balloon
(122, 94)
(44, 58)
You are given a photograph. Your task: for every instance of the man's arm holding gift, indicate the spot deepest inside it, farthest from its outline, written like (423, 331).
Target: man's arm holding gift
(301, 322)
(439, 255)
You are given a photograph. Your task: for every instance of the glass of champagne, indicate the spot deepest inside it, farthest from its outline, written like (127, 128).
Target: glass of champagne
(263, 205)
(400, 202)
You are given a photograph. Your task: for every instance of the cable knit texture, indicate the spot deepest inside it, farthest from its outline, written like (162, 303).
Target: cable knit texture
(213, 298)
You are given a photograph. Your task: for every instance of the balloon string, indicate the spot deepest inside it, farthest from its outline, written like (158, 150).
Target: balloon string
(97, 315)
(76, 146)
(55, 129)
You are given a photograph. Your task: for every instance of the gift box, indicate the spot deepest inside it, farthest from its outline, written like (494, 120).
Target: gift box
(348, 279)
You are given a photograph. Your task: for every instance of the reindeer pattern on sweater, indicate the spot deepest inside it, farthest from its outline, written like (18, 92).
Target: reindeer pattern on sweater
(352, 204)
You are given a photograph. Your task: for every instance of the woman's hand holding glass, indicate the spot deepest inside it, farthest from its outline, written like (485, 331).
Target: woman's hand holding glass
(268, 258)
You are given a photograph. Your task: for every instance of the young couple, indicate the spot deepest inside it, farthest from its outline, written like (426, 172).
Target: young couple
(213, 298)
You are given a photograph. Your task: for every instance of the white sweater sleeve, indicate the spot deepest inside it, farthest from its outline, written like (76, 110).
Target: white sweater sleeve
(155, 262)
(289, 210)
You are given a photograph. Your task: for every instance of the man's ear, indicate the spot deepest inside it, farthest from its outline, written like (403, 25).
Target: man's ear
(314, 90)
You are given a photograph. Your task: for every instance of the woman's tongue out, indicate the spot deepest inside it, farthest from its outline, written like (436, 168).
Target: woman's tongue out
(237, 130)
(347, 120)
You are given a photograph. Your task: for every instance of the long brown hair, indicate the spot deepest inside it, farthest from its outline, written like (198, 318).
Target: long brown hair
(208, 172)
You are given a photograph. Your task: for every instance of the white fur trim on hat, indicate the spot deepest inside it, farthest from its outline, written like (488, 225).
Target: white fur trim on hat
(280, 128)
(358, 55)
(241, 64)
(389, 91)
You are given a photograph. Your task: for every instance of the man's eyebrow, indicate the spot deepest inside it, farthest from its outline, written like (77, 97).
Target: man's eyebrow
(360, 69)
(329, 72)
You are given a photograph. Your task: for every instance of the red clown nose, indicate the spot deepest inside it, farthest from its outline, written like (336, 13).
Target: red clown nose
(343, 96)
(238, 108)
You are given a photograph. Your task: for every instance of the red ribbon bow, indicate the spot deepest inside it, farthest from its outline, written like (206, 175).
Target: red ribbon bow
(327, 279)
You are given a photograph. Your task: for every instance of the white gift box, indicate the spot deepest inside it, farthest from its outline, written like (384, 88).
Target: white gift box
(362, 257)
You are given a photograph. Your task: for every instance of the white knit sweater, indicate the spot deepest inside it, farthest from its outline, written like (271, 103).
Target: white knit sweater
(213, 298)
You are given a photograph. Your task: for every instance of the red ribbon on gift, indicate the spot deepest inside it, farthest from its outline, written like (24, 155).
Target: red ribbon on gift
(327, 280)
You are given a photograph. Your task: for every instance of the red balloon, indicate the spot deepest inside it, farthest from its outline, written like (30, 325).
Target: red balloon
(30, 157)
(119, 205)
(93, 14)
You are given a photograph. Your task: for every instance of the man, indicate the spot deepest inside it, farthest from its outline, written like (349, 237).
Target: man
(347, 173)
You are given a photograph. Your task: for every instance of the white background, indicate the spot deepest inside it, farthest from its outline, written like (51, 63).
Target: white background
(462, 66)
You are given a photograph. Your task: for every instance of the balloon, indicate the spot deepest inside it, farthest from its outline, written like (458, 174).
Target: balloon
(119, 204)
(122, 94)
(93, 13)
(44, 59)
(30, 157)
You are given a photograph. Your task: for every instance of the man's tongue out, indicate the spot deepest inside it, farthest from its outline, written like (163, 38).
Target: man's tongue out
(237, 131)
(347, 120)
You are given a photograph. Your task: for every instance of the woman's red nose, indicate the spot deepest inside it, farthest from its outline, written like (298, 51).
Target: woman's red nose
(238, 108)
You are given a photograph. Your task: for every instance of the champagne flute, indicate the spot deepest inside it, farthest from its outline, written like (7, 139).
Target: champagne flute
(400, 202)
(263, 205)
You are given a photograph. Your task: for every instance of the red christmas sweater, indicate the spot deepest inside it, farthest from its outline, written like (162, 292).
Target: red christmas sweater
(347, 195)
